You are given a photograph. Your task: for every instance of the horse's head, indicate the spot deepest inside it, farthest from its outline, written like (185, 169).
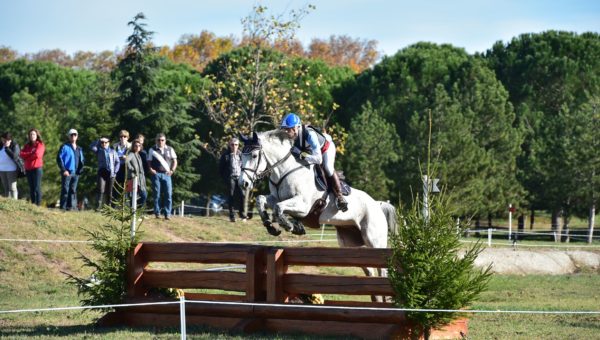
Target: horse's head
(253, 161)
(261, 154)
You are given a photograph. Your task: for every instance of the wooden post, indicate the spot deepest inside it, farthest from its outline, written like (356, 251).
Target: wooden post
(276, 268)
(510, 210)
(255, 276)
(135, 268)
(134, 207)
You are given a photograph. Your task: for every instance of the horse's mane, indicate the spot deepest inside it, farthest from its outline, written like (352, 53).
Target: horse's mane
(274, 136)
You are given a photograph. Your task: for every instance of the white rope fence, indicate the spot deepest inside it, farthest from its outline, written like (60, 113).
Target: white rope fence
(182, 313)
(181, 209)
(424, 310)
(521, 245)
(283, 305)
(496, 231)
(505, 244)
(42, 241)
(211, 242)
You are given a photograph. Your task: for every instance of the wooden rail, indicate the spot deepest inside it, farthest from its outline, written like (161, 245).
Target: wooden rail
(264, 285)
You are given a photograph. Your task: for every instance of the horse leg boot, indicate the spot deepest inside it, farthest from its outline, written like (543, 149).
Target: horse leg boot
(340, 201)
(261, 202)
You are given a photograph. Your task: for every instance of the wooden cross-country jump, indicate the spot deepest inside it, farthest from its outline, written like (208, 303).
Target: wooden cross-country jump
(264, 290)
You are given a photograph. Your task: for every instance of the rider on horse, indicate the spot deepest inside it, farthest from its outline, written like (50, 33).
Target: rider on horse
(315, 147)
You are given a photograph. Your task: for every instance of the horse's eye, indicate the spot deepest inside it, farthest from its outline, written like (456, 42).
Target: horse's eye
(254, 156)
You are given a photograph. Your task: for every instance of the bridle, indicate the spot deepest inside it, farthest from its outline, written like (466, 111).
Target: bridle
(270, 167)
(260, 175)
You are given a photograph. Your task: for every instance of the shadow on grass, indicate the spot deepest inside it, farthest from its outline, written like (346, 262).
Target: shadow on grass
(78, 331)
(198, 332)
(592, 323)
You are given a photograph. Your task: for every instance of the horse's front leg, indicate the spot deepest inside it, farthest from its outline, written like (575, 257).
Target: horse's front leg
(262, 202)
(297, 208)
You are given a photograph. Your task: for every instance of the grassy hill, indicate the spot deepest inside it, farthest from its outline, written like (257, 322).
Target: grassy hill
(32, 273)
(32, 276)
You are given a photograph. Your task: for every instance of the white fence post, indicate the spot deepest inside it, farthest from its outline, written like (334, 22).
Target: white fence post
(182, 317)
(182, 207)
(134, 206)
(490, 237)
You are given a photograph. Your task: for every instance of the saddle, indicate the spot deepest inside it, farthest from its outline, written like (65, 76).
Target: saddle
(322, 183)
(311, 220)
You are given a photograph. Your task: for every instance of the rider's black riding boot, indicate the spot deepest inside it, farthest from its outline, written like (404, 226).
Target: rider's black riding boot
(340, 201)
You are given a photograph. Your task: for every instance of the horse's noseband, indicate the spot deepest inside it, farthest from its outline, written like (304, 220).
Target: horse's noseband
(257, 175)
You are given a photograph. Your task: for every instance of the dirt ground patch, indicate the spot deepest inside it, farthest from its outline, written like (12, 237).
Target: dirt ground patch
(553, 262)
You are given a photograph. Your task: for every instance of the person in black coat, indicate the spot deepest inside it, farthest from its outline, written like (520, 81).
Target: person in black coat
(230, 168)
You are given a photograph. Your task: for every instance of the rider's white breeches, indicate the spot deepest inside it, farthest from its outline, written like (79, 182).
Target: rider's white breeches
(329, 157)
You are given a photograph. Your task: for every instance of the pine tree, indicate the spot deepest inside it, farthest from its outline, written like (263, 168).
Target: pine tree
(549, 76)
(157, 96)
(476, 138)
(427, 269)
(372, 147)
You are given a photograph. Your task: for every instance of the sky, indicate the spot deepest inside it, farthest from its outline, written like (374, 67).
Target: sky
(72, 25)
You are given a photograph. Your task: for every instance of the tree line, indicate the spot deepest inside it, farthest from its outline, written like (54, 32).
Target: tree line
(516, 124)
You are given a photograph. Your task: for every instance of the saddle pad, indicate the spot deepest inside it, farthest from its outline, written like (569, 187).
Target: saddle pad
(321, 182)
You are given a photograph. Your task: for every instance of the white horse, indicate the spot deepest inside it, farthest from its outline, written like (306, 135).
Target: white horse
(293, 192)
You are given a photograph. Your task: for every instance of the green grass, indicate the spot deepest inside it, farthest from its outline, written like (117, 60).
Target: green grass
(31, 277)
(542, 293)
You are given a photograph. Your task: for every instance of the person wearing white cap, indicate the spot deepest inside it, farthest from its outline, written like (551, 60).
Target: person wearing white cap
(70, 162)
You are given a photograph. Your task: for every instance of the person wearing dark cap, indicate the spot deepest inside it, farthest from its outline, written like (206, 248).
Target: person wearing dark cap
(11, 165)
(70, 162)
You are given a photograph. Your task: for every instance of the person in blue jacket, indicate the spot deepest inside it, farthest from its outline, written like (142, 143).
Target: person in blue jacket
(70, 162)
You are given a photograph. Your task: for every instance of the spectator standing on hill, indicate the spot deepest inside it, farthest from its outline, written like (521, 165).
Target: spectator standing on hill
(230, 168)
(143, 154)
(108, 165)
(162, 162)
(11, 165)
(135, 170)
(33, 156)
(121, 148)
(70, 162)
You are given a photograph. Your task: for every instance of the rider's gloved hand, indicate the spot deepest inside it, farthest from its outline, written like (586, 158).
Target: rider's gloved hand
(303, 155)
(296, 151)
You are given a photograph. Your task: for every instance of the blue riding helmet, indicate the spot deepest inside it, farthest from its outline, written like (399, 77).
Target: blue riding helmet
(291, 120)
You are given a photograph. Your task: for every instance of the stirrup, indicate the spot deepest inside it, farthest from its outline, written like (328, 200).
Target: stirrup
(341, 204)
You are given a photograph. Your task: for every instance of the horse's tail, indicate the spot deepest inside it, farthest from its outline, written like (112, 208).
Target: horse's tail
(390, 215)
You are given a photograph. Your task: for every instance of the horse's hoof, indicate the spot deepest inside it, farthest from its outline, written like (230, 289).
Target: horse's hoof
(298, 231)
(273, 231)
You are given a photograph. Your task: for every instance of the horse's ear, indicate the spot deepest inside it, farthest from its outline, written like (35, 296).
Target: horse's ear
(255, 137)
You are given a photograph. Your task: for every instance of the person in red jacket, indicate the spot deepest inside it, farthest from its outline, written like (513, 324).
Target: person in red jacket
(33, 156)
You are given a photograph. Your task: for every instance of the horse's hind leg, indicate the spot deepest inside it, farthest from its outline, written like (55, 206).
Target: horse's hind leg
(262, 203)
(375, 236)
